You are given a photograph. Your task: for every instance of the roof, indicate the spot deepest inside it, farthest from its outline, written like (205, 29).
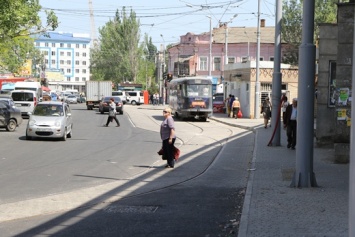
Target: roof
(244, 34)
(64, 37)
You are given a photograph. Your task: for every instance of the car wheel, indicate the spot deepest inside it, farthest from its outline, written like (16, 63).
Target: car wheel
(133, 102)
(11, 125)
(64, 138)
(70, 134)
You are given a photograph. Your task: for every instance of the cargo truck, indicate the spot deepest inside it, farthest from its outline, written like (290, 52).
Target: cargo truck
(95, 90)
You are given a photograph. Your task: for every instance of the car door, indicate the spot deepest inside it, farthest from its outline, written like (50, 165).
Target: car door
(4, 114)
(68, 118)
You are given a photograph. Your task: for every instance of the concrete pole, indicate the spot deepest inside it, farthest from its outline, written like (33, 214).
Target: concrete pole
(257, 81)
(304, 176)
(210, 53)
(352, 155)
(277, 76)
(226, 44)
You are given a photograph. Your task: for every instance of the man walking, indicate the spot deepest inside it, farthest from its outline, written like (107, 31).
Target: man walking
(290, 123)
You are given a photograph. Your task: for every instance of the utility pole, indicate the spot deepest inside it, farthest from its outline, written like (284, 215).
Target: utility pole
(93, 28)
(277, 76)
(210, 53)
(352, 155)
(304, 176)
(257, 81)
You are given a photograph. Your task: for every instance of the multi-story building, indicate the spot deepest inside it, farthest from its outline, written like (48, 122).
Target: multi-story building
(67, 56)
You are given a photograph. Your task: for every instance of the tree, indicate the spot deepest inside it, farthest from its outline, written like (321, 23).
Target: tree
(118, 53)
(291, 30)
(19, 20)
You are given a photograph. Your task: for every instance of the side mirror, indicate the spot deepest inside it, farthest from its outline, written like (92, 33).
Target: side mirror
(29, 113)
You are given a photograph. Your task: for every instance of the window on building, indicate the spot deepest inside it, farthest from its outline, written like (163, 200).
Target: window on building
(68, 62)
(68, 54)
(76, 78)
(84, 46)
(77, 70)
(77, 46)
(46, 61)
(53, 45)
(69, 45)
(77, 62)
(83, 78)
(244, 59)
(77, 54)
(271, 59)
(203, 63)
(61, 62)
(83, 71)
(217, 63)
(261, 59)
(53, 61)
(84, 62)
(84, 54)
(61, 53)
(68, 78)
(46, 44)
(61, 45)
(45, 53)
(68, 70)
(38, 44)
(53, 53)
(231, 60)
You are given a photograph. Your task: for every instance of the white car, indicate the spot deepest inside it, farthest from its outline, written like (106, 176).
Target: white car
(50, 119)
(71, 99)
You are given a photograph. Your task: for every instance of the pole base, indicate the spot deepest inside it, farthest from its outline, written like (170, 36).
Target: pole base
(299, 183)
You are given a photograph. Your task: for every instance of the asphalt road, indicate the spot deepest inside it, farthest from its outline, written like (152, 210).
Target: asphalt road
(110, 181)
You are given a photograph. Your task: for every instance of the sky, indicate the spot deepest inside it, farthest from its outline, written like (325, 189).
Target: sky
(163, 21)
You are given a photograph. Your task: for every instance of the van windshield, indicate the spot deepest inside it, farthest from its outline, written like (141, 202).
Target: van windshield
(22, 96)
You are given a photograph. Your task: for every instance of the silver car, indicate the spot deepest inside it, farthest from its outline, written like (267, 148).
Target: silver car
(50, 119)
(71, 99)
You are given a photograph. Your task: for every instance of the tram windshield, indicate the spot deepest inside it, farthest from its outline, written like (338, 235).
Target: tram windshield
(198, 90)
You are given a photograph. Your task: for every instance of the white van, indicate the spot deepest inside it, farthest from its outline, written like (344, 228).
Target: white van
(121, 94)
(30, 85)
(135, 97)
(25, 100)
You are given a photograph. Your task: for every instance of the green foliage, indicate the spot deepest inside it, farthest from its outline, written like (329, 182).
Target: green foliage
(19, 20)
(291, 30)
(117, 55)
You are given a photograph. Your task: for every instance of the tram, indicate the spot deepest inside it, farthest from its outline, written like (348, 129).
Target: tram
(190, 97)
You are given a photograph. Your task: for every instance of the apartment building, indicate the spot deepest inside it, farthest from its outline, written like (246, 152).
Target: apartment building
(66, 59)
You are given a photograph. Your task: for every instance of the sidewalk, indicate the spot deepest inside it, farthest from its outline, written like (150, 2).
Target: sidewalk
(273, 208)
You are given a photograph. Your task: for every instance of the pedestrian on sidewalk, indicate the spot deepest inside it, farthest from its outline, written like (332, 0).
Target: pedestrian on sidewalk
(227, 100)
(266, 111)
(231, 105)
(235, 107)
(290, 123)
(167, 134)
(284, 105)
(112, 113)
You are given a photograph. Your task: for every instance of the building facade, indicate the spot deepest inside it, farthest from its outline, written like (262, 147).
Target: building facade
(240, 81)
(193, 56)
(66, 60)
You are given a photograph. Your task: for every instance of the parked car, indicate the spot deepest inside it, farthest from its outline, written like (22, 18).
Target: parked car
(71, 99)
(103, 106)
(10, 116)
(25, 100)
(121, 94)
(218, 103)
(50, 119)
(135, 97)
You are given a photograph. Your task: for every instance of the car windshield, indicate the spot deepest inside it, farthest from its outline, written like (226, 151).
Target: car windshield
(48, 110)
